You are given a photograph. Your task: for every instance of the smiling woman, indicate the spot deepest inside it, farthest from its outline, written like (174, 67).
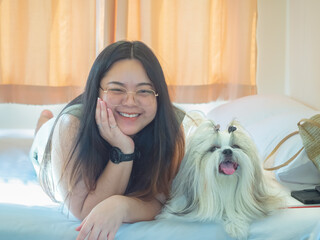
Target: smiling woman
(116, 148)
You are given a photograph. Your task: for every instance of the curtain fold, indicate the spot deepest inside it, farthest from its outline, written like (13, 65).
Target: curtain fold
(46, 47)
(207, 48)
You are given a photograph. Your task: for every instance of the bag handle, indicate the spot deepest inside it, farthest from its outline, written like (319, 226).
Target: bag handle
(312, 122)
(277, 147)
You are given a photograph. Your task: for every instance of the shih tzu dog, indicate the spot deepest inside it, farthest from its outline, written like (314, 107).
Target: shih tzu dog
(220, 179)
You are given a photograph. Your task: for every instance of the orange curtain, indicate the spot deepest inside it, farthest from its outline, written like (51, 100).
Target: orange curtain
(207, 47)
(46, 49)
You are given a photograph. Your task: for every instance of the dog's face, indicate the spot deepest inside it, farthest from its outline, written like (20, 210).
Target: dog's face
(229, 153)
(225, 152)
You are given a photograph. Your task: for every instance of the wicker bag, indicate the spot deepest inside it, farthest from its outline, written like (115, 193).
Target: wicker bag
(309, 131)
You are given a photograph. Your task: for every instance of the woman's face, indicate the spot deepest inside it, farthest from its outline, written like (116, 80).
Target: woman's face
(136, 109)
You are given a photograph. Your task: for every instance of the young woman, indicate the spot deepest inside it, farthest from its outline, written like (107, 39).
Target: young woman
(114, 150)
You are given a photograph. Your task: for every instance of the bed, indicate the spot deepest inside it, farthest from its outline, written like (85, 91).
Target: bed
(27, 213)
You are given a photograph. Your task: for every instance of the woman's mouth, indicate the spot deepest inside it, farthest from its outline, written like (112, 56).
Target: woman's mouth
(129, 115)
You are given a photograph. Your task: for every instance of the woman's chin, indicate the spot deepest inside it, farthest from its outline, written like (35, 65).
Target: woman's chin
(129, 131)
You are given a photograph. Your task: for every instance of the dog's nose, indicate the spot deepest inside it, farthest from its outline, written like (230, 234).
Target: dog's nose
(227, 152)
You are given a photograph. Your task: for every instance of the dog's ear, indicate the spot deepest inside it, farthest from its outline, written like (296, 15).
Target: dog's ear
(204, 127)
(185, 183)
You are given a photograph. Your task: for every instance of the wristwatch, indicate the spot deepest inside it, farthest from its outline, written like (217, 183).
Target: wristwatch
(116, 156)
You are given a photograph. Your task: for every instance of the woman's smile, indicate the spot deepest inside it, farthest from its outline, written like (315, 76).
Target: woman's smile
(129, 115)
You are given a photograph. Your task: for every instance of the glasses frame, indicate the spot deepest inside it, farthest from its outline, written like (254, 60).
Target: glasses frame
(134, 93)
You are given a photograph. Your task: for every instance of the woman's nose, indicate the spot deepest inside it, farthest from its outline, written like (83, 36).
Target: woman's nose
(129, 99)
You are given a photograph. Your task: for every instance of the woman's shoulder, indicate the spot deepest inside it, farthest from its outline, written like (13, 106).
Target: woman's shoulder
(68, 123)
(65, 132)
(74, 110)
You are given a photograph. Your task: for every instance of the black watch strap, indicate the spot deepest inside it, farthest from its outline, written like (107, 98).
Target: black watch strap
(117, 156)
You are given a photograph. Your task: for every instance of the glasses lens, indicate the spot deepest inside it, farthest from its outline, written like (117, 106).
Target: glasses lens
(143, 97)
(116, 95)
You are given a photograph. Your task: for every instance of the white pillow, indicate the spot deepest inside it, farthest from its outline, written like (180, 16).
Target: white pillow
(269, 118)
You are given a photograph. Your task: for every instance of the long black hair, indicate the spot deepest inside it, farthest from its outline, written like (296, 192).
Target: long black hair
(161, 142)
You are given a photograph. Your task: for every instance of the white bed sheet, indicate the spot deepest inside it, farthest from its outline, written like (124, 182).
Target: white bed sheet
(27, 213)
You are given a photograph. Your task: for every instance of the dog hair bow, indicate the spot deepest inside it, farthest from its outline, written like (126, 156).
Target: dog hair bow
(231, 129)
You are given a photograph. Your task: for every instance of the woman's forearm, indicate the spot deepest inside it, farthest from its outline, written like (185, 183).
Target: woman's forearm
(139, 210)
(107, 216)
(113, 181)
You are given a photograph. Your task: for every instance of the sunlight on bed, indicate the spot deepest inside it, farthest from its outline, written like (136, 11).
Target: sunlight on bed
(28, 194)
(18, 180)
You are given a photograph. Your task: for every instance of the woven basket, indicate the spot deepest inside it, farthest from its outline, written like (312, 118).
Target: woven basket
(309, 131)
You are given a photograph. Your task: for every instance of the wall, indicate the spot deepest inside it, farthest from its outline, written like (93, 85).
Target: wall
(271, 44)
(288, 49)
(304, 51)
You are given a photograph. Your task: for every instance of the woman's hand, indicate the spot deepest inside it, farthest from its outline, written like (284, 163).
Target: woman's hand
(104, 220)
(109, 130)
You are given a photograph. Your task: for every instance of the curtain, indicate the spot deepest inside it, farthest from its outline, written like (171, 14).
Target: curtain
(46, 49)
(207, 48)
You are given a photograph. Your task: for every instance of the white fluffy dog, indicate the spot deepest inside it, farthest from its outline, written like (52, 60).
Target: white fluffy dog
(220, 179)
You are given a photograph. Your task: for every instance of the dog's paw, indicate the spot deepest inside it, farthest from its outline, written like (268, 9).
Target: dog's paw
(237, 229)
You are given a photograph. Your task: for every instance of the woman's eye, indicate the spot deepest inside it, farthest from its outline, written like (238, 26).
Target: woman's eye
(116, 90)
(145, 92)
(235, 146)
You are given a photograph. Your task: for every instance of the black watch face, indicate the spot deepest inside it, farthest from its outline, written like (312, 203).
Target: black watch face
(115, 155)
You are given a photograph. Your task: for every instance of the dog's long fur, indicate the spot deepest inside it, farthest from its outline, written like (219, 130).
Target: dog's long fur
(201, 193)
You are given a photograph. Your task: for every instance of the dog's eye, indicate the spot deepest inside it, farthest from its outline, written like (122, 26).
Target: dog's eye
(235, 146)
(213, 148)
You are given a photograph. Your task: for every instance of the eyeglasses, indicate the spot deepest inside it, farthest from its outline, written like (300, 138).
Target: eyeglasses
(116, 95)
